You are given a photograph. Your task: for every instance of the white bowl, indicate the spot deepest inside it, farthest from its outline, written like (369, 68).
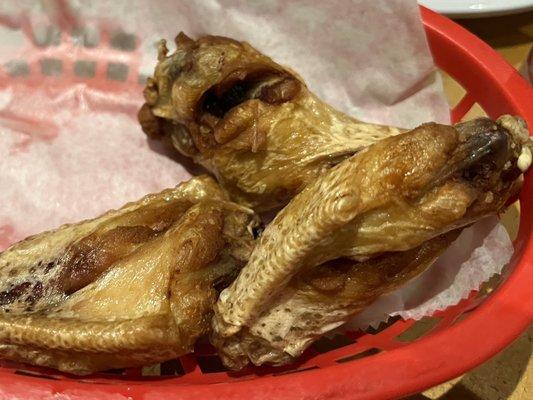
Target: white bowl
(477, 8)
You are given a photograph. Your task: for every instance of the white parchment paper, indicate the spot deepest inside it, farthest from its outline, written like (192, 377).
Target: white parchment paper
(75, 151)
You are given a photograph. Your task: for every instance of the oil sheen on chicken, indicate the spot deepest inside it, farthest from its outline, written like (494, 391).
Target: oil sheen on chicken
(251, 122)
(133, 287)
(363, 228)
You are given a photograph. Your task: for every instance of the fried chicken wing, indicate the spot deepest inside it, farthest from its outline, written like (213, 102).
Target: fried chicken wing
(251, 122)
(362, 229)
(132, 287)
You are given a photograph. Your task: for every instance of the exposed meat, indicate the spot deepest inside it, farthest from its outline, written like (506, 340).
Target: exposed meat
(8, 296)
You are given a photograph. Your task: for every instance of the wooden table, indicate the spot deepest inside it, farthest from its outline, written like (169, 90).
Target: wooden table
(509, 375)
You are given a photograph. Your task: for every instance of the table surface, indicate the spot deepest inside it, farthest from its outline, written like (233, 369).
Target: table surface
(509, 375)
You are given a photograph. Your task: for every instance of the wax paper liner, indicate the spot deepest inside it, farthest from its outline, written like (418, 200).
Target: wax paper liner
(71, 148)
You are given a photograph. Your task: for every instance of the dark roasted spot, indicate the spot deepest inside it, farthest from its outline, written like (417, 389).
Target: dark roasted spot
(49, 266)
(36, 293)
(257, 231)
(11, 295)
(482, 153)
(38, 289)
(271, 87)
(220, 105)
(174, 70)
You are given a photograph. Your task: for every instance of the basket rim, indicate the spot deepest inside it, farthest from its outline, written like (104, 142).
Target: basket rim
(401, 371)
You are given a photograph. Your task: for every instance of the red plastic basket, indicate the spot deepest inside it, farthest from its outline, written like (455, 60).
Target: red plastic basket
(377, 365)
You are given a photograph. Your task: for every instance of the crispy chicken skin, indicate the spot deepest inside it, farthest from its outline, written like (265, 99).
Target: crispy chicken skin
(361, 229)
(366, 208)
(251, 122)
(132, 287)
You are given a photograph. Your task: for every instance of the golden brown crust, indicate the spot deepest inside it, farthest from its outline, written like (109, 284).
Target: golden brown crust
(383, 214)
(320, 299)
(254, 123)
(131, 287)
